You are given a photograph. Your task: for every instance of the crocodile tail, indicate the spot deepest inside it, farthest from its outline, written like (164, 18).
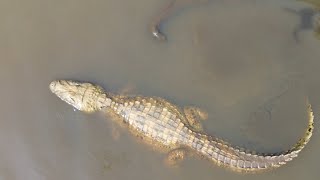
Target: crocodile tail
(272, 161)
(308, 133)
(239, 160)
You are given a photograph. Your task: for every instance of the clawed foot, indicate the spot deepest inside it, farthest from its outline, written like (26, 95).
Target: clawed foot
(194, 115)
(175, 156)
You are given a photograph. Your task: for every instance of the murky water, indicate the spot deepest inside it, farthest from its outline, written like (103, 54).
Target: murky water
(247, 63)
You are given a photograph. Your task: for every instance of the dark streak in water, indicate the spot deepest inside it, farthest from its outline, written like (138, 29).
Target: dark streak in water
(307, 20)
(172, 8)
(315, 16)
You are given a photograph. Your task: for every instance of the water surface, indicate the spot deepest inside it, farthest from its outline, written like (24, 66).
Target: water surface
(241, 61)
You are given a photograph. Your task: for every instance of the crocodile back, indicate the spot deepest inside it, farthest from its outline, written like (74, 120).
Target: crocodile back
(154, 121)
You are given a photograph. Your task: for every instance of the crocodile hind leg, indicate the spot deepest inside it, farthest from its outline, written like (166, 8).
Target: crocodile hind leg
(194, 115)
(175, 156)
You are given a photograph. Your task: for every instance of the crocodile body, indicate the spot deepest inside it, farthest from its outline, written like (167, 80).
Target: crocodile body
(165, 124)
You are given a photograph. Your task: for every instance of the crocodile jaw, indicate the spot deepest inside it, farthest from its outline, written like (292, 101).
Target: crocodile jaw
(81, 96)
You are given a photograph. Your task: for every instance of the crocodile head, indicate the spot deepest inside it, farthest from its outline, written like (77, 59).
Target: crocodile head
(82, 96)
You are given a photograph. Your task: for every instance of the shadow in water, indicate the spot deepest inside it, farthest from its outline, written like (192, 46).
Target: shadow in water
(307, 20)
(173, 9)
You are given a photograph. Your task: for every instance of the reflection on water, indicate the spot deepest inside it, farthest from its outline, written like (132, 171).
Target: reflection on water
(238, 60)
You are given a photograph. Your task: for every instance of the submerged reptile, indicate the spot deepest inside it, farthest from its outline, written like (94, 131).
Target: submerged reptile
(310, 18)
(169, 10)
(158, 121)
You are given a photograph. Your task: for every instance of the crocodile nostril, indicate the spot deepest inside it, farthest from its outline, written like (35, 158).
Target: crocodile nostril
(52, 85)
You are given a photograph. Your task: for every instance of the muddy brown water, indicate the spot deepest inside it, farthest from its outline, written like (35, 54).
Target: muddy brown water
(238, 60)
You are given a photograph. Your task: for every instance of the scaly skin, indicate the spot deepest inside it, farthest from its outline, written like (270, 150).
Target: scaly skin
(163, 123)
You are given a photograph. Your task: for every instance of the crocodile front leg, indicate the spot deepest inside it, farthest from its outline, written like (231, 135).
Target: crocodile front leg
(193, 116)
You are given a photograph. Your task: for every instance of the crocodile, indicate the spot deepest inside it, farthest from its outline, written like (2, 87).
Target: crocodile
(159, 122)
